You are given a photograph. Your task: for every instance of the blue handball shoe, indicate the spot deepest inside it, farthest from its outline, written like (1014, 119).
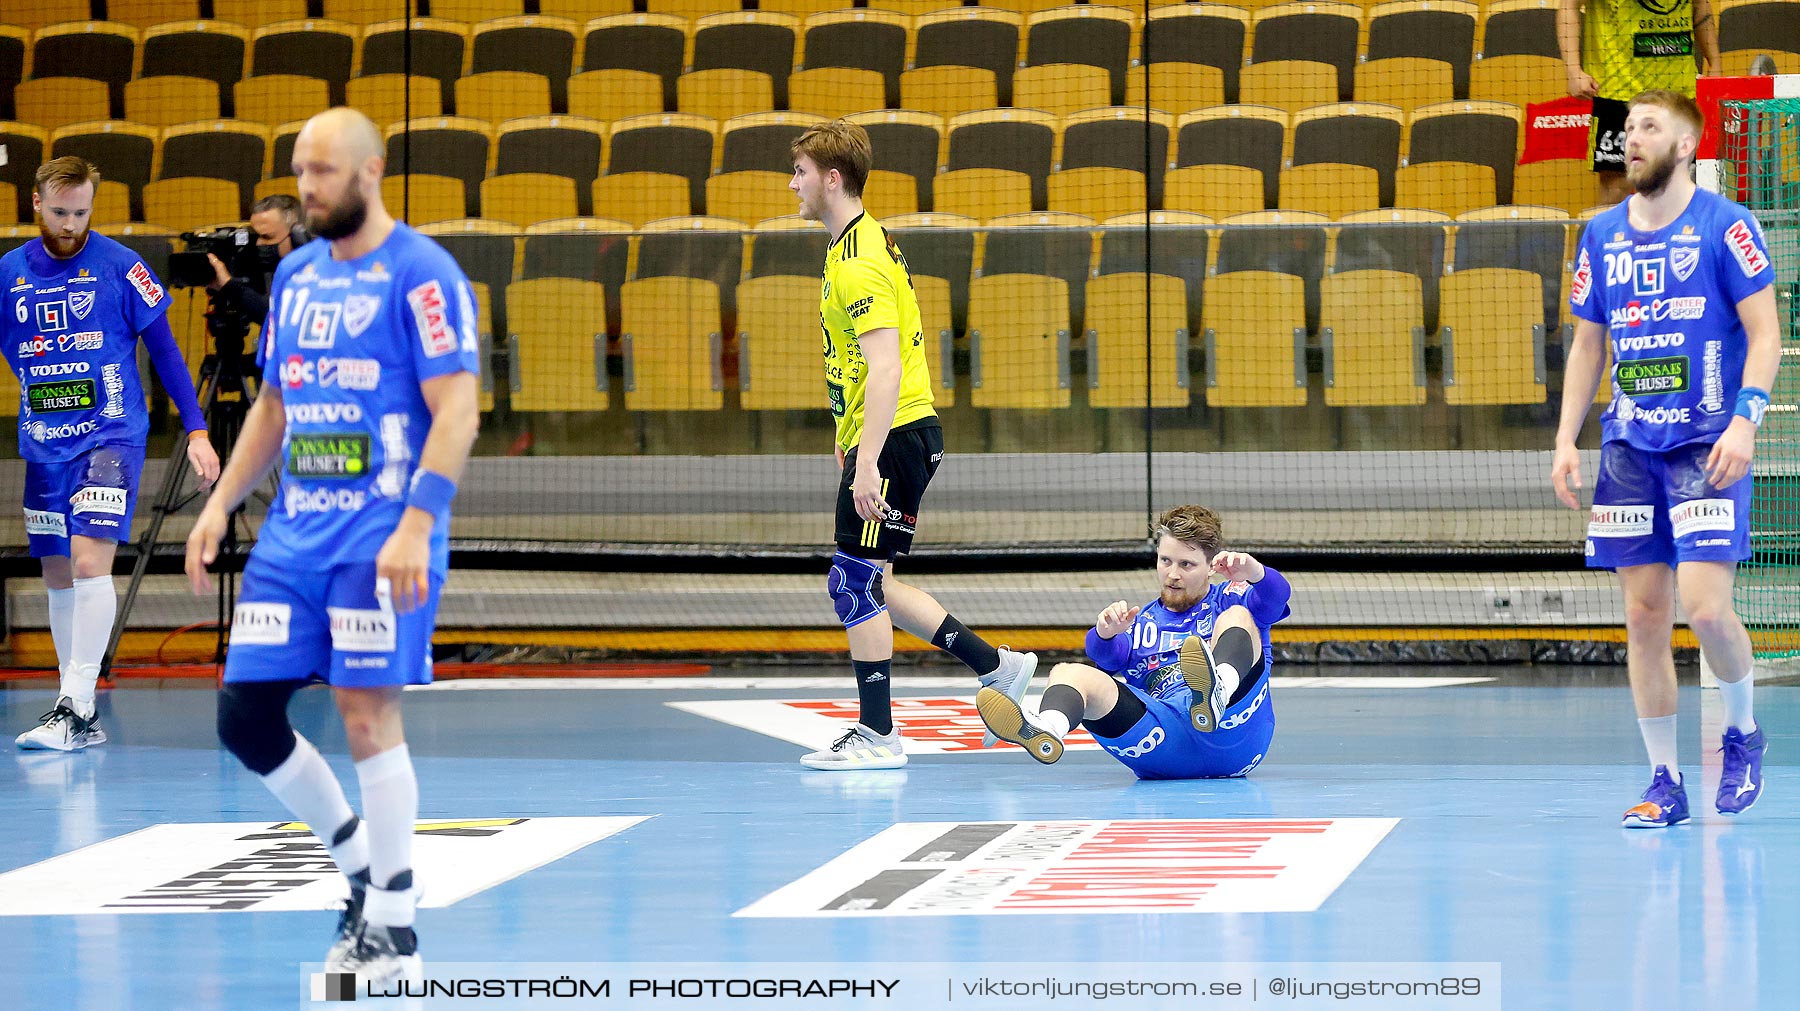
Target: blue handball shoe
(1740, 778)
(1664, 804)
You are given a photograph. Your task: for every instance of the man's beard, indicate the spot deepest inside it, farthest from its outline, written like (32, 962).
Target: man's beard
(1180, 600)
(1654, 174)
(60, 247)
(342, 221)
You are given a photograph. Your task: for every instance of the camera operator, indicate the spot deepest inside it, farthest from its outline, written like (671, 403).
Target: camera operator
(275, 220)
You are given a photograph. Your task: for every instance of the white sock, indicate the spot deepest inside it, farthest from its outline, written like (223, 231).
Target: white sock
(306, 785)
(1227, 677)
(390, 797)
(62, 616)
(1739, 710)
(1055, 721)
(90, 629)
(1659, 741)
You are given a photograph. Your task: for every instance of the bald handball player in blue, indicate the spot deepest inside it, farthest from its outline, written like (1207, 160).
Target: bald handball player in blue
(1178, 689)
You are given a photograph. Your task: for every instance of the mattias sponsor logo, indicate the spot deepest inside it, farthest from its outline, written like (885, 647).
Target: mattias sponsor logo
(356, 630)
(1701, 514)
(261, 624)
(1652, 376)
(1621, 520)
(45, 524)
(98, 500)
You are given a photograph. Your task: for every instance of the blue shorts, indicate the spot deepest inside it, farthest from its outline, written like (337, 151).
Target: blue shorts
(327, 625)
(92, 495)
(1163, 743)
(1652, 508)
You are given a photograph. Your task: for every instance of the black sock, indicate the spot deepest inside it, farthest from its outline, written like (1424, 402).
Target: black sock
(873, 691)
(1243, 652)
(1066, 700)
(966, 646)
(1121, 717)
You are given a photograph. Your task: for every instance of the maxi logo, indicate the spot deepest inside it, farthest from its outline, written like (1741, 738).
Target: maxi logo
(71, 395)
(1653, 376)
(329, 456)
(1583, 282)
(145, 283)
(432, 317)
(1742, 242)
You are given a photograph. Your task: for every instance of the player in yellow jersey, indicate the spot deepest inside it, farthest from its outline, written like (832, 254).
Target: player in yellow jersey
(1625, 47)
(889, 444)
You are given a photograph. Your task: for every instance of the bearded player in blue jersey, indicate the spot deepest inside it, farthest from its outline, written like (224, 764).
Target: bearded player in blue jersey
(77, 304)
(1178, 689)
(1679, 280)
(368, 404)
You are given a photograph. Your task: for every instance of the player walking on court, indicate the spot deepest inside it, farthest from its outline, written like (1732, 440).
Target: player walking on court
(889, 444)
(1179, 688)
(1679, 279)
(78, 304)
(368, 402)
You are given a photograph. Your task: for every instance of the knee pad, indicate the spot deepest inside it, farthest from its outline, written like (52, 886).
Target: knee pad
(855, 585)
(253, 723)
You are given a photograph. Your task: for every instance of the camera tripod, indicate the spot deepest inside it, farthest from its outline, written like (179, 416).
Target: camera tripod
(228, 384)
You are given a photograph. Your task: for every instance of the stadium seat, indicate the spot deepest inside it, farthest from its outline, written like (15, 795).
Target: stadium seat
(25, 145)
(281, 149)
(1520, 79)
(1567, 183)
(1097, 192)
(1355, 133)
(1217, 191)
(1761, 27)
(233, 150)
(939, 246)
(1405, 82)
(1324, 31)
(834, 92)
(142, 14)
(763, 141)
(1055, 244)
(363, 13)
(1333, 189)
(749, 196)
(1178, 249)
(421, 198)
(982, 193)
(640, 197)
(1289, 85)
(759, 41)
(556, 345)
(690, 10)
(9, 204)
(1255, 340)
(906, 141)
(486, 250)
(707, 248)
(1448, 186)
(283, 185)
(1519, 28)
(1252, 136)
(190, 202)
(1114, 138)
(672, 344)
(100, 50)
(1175, 88)
(567, 146)
(127, 150)
(588, 249)
(1285, 242)
(1437, 30)
(452, 146)
(1372, 332)
(778, 371)
(1486, 133)
(722, 94)
(1020, 140)
(860, 40)
(322, 49)
(439, 50)
(15, 44)
(55, 102)
(112, 204)
(610, 95)
(948, 91)
(1062, 88)
(1087, 35)
(653, 43)
(1018, 341)
(168, 100)
(389, 98)
(1492, 337)
(1123, 311)
(584, 11)
(787, 245)
(499, 95)
(1518, 238)
(214, 50)
(526, 198)
(35, 14)
(1207, 35)
(471, 11)
(274, 99)
(1736, 63)
(970, 37)
(1404, 239)
(254, 14)
(1026, 7)
(671, 142)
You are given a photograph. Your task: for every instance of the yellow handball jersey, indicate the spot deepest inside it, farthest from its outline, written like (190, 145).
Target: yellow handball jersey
(868, 287)
(1631, 46)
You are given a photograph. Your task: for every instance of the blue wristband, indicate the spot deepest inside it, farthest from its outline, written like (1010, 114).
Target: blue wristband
(431, 492)
(1751, 403)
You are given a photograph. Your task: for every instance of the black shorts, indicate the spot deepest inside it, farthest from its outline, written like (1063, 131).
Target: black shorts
(908, 459)
(1606, 138)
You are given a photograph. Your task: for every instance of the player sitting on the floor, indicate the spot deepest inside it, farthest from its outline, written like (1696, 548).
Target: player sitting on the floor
(1180, 687)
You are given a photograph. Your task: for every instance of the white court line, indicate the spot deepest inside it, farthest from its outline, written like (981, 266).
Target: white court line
(839, 682)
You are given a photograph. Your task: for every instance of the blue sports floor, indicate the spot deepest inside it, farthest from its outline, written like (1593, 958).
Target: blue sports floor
(1507, 846)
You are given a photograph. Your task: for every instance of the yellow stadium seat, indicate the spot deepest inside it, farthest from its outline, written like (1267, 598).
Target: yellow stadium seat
(53, 102)
(888, 194)
(933, 294)
(1217, 191)
(982, 193)
(274, 99)
(191, 200)
(484, 327)
(1117, 326)
(1567, 183)
(421, 198)
(476, 10)
(383, 97)
(1736, 63)
(499, 95)
(1097, 192)
(1492, 333)
(1019, 341)
(526, 198)
(112, 203)
(949, 91)
(1255, 338)
(556, 344)
(9, 204)
(1333, 189)
(1290, 85)
(1372, 329)
(38, 13)
(778, 362)
(1519, 79)
(615, 94)
(638, 197)
(172, 99)
(283, 185)
(722, 94)
(1452, 187)
(834, 92)
(1176, 87)
(672, 345)
(254, 14)
(749, 196)
(1405, 82)
(1062, 88)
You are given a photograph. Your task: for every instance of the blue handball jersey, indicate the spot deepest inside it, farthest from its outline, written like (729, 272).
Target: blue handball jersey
(71, 334)
(348, 343)
(1155, 638)
(1669, 299)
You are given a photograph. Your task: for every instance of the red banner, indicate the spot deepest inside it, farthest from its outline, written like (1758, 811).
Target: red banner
(1557, 129)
